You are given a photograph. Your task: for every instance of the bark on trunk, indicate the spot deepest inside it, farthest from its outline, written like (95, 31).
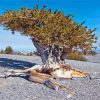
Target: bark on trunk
(51, 56)
(40, 49)
(47, 60)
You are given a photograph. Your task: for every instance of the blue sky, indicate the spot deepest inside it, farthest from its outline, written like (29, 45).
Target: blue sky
(88, 10)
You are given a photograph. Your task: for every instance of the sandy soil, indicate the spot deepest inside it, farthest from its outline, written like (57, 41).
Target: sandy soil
(18, 88)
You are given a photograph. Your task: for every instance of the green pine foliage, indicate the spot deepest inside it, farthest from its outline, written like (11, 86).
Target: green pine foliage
(49, 27)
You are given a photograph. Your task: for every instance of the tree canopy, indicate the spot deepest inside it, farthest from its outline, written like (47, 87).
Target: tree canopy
(9, 50)
(49, 27)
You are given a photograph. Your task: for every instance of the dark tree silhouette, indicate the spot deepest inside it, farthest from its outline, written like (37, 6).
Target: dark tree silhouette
(9, 50)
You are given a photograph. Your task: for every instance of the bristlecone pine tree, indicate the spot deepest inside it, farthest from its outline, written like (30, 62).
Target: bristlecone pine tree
(52, 33)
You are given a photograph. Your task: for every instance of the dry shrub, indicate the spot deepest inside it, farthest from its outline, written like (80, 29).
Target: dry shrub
(76, 56)
(93, 53)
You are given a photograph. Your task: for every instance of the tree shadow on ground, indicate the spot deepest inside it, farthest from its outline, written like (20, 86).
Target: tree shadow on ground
(15, 64)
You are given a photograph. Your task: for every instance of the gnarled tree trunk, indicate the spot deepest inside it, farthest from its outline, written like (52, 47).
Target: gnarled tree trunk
(50, 55)
(47, 59)
(40, 49)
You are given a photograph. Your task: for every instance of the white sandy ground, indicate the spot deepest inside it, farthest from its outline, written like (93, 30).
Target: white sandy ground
(17, 88)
